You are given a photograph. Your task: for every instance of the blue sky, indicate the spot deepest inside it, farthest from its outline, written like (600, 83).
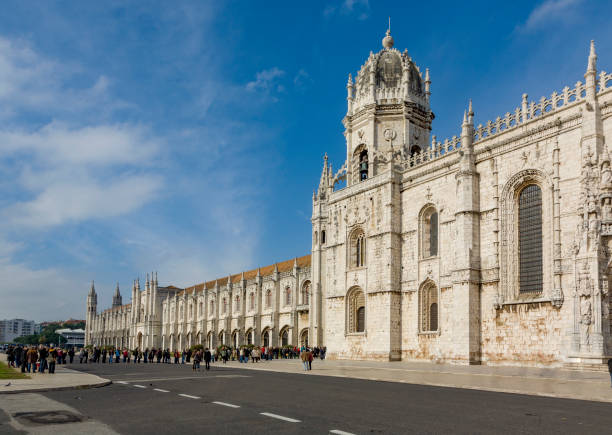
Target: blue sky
(187, 137)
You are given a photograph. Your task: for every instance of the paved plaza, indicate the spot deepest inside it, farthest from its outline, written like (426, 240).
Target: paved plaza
(278, 397)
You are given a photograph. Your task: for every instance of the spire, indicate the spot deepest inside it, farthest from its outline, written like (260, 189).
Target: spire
(117, 300)
(427, 84)
(155, 277)
(92, 290)
(324, 182)
(387, 41)
(349, 84)
(592, 65)
(258, 272)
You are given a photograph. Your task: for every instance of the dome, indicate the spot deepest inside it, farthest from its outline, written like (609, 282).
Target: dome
(389, 70)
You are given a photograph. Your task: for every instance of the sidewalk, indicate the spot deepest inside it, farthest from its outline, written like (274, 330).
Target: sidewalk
(550, 382)
(63, 379)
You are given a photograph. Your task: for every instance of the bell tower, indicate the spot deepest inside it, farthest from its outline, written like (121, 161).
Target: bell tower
(388, 113)
(92, 306)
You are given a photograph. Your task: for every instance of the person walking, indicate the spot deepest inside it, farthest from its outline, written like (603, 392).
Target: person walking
(24, 359)
(71, 354)
(207, 358)
(310, 358)
(52, 360)
(42, 357)
(304, 358)
(32, 358)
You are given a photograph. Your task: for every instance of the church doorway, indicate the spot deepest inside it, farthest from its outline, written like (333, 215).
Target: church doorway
(140, 341)
(235, 339)
(304, 338)
(265, 338)
(284, 337)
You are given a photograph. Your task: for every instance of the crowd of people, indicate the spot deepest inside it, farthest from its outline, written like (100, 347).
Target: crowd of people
(38, 359)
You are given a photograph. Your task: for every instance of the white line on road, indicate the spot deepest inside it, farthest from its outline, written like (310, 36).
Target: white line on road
(139, 386)
(121, 382)
(226, 404)
(160, 390)
(280, 417)
(189, 397)
(340, 432)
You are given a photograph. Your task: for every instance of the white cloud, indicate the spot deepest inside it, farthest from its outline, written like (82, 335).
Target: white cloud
(266, 80)
(97, 144)
(302, 79)
(547, 11)
(64, 202)
(358, 8)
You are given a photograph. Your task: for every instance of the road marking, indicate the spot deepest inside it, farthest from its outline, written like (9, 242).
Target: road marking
(340, 432)
(227, 404)
(160, 390)
(203, 376)
(280, 417)
(121, 382)
(189, 397)
(139, 386)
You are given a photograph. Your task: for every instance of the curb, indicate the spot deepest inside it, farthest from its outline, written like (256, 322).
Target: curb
(104, 383)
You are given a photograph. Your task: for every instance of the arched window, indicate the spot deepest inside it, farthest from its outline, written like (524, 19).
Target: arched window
(237, 304)
(201, 308)
(268, 299)
(266, 338)
(285, 337)
(363, 165)
(252, 301)
(191, 311)
(306, 293)
(224, 305)
(530, 239)
(357, 246)
(429, 233)
(212, 307)
(428, 307)
(288, 296)
(323, 237)
(249, 336)
(355, 311)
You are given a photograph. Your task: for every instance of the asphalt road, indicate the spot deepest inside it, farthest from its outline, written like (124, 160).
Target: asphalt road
(161, 398)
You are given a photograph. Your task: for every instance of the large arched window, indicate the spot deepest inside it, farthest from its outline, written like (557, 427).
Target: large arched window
(355, 319)
(357, 246)
(268, 298)
(429, 232)
(252, 301)
(212, 308)
(224, 305)
(530, 239)
(288, 296)
(428, 307)
(306, 293)
(237, 303)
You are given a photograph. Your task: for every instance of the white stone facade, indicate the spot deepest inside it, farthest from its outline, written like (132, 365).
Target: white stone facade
(492, 247)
